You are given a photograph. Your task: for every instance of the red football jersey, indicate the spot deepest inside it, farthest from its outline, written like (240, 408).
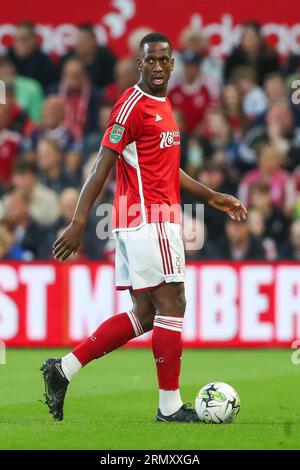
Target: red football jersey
(9, 145)
(144, 132)
(192, 101)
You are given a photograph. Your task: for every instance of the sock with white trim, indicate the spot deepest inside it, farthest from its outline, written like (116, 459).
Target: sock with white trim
(169, 401)
(111, 334)
(70, 365)
(167, 351)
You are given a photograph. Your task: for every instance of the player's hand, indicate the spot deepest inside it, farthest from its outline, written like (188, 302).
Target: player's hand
(229, 204)
(68, 242)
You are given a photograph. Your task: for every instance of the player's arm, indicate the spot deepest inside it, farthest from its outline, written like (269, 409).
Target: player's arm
(224, 202)
(70, 239)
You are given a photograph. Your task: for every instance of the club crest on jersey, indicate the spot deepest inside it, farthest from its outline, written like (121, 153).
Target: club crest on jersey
(116, 133)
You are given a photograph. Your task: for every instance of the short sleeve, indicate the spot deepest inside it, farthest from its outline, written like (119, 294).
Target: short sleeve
(119, 133)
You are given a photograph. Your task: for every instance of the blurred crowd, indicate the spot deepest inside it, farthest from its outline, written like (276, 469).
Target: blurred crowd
(240, 134)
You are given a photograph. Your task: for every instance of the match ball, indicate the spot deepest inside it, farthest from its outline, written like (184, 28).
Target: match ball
(217, 403)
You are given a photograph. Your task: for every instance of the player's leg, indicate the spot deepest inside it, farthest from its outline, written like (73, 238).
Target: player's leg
(111, 334)
(144, 309)
(169, 302)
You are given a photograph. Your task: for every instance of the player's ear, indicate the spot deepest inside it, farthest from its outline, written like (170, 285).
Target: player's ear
(172, 66)
(139, 64)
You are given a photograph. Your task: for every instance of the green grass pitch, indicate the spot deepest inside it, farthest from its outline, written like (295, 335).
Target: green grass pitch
(112, 403)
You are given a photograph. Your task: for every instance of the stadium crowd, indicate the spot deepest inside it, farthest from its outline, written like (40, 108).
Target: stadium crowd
(240, 133)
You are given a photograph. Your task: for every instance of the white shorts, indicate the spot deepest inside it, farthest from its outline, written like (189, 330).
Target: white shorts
(148, 257)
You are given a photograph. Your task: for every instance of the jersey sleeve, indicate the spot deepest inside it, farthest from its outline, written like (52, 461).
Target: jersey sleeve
(122, 132)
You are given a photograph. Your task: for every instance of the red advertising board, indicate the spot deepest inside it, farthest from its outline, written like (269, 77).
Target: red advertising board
(228, 304)
(115, 20)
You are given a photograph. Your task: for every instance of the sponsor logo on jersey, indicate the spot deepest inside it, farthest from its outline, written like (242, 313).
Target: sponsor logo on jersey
(158, 118)
(116, 133)
(169, 138)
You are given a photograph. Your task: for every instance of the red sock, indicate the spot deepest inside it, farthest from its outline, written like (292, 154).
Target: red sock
(167, 350)
(112, 334)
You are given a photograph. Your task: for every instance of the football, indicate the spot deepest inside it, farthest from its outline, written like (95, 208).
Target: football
(217, 403)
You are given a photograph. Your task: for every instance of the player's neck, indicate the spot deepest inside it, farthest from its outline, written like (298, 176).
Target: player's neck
(157, 93)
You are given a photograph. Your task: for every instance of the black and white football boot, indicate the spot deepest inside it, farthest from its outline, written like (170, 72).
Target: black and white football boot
(56, 385)
(185, 414)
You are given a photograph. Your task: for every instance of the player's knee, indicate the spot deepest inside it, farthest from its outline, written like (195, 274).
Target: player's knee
(146, 318)
(173, 305)
(180, 303)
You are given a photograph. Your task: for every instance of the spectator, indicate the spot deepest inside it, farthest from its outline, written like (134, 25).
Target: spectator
(279, 131)
(252, 51)
(255, 101)
(194, 156)
(291, 250)
(191, 96)
(191, 39)
(239, 244)
(269, 171)
(98, 60)
(196, 243)
(275, 87)
(9, 250)
(219, 136)
(275, 222)
(29, 93)
(28, 234)
(43, 203)
(126, 75)
(291, 68)
(232, 107)
(52, 126)
(213, 175)
(91, 143)
(256, 222)
(81, 99)
(92, 247)
(9, 146)
(18, 120)
(257, 228)
(51, 171)
(276, 90)
(73, 167)
(217, 144)
(28, 58)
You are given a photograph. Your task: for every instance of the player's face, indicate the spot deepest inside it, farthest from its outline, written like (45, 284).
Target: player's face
(156, 65)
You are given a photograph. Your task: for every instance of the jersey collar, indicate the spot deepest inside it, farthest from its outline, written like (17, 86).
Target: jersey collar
(157, 98)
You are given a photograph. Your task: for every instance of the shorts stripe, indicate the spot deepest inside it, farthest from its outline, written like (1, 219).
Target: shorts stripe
(161, 249)
(168, 248)
(165, 249)
(166, 245)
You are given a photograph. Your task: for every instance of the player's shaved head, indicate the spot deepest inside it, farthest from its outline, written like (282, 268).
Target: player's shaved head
(154, 37)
